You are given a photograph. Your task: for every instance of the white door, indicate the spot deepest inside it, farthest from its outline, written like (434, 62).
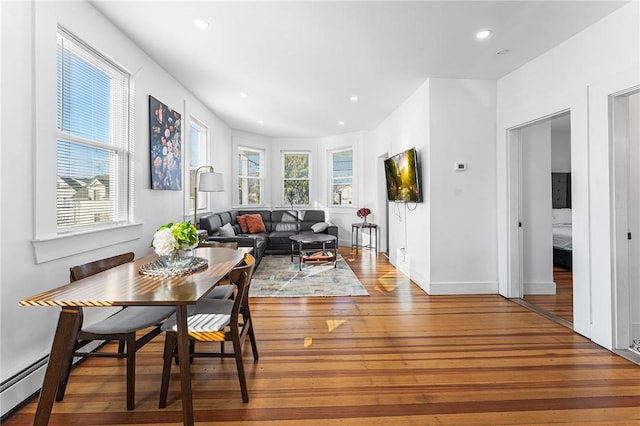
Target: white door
(625, 125)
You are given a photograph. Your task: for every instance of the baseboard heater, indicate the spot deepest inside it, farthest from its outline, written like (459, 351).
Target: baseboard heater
(23, 386)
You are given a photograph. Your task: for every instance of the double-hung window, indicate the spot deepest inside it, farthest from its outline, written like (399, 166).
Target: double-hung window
(342, 178)
(296, 177)
(198, 150)
(250, 176)
(93, 107)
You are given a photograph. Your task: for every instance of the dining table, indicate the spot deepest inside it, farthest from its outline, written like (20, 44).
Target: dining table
(127, 285)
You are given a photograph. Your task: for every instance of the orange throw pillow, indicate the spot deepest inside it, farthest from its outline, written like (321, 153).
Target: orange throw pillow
(255, 223)
(242, 221)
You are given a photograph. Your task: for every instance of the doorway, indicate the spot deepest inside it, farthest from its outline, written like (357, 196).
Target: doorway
(545, 215)
(625, 146)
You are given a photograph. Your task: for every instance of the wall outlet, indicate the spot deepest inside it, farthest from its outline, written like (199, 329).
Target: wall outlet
(403, 262)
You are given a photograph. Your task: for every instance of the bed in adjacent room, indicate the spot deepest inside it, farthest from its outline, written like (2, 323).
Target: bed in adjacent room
(562, 221)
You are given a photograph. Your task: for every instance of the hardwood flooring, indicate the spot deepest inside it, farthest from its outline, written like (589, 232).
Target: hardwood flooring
(396, 357)
(561, 303)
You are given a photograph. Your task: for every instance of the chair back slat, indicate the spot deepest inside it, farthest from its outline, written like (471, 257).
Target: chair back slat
(82, 271)
(241, 277)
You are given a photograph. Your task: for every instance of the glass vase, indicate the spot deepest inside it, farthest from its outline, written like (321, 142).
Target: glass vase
(178, 259)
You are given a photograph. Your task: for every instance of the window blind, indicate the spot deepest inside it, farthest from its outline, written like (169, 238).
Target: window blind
(93, 106)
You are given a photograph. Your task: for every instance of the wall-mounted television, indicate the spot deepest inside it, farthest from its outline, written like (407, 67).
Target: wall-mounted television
(403, 177)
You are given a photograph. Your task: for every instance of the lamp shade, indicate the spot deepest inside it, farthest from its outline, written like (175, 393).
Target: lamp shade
(210, 182)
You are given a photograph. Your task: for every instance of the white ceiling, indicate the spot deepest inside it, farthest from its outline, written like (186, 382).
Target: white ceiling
(301, 61)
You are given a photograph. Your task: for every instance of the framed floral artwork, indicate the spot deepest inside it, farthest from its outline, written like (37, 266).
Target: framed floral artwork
(165, 127)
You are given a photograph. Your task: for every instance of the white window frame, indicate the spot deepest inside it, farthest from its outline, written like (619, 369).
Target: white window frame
(260, 178)
(201, 160)
(48, 242)
(285, 200)
(332, 178)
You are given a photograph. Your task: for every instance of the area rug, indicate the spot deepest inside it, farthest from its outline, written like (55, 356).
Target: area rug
(278, 276)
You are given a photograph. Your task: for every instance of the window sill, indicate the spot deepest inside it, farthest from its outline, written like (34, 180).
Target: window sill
(57, 247)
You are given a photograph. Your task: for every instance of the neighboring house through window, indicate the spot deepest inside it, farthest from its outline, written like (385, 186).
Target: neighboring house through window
(198, 156)
(295, 177)
(250, 176)
(93, 137)
(342, 177)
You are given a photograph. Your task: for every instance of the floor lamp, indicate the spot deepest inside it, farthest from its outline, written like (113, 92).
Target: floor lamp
(207, 181)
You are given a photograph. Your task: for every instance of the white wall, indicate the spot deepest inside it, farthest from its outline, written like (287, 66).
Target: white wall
(577, 75)
(457, 221)
(537, 241)
(27, 331)
(406, 127)
(462, 203)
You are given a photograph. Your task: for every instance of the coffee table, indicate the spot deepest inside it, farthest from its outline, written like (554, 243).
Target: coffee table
(309, 238)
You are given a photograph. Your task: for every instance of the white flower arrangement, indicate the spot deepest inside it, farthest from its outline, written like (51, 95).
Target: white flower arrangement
(171, 237)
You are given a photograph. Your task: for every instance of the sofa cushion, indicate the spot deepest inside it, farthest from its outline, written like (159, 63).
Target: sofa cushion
(242, 221)
(284, 220)
(225, 217)
(227, 230)
(319, 227)
(211, 223)
(265, 214)
(255, 223)
(280, 238)
(309, 218)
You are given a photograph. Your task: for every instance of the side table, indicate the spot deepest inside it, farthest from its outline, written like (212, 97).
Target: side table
(355, 231)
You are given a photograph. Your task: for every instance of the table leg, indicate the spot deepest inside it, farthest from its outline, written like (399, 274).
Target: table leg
(300, 256)
(185, 365)
(61, 351)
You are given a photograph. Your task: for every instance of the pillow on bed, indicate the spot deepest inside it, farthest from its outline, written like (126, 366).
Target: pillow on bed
(561, 216)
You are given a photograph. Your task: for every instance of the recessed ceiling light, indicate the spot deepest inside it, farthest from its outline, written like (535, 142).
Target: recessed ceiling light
(354, 98)
(201, 23)
(260, 121)
(503, 52)
(340, 123)
(483, 34)
(244, 95)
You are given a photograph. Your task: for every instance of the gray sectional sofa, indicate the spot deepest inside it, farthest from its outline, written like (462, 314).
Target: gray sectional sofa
(279, 224)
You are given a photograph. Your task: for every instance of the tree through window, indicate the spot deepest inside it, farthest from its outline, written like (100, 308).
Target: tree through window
(296, 178)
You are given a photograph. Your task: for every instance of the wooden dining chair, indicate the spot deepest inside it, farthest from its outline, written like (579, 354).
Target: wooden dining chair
(224, 289)
(228, 244)
(216, 321)
(121, 326)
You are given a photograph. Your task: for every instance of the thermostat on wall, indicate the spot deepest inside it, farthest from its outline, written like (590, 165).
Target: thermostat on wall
(461, 167)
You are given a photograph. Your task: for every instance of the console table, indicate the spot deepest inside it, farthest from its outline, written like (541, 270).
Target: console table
(355, 233)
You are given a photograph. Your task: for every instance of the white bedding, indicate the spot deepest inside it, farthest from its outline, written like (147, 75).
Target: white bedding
(562, 236)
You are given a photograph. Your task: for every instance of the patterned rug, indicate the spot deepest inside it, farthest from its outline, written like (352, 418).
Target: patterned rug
(277, 276)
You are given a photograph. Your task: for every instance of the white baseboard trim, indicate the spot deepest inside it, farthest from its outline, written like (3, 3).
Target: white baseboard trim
(469, 287)
(539, 288)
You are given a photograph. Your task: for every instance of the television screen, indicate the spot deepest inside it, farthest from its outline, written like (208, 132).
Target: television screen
(403, 177)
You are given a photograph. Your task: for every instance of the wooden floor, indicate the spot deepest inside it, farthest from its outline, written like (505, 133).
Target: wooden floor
(561, 303)
(396, 357)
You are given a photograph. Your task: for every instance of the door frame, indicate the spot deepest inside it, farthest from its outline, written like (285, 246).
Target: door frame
(514, 205)
(620, 166)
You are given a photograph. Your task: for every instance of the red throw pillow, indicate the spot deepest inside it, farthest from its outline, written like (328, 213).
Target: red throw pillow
(255, 223)
(242, 221)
